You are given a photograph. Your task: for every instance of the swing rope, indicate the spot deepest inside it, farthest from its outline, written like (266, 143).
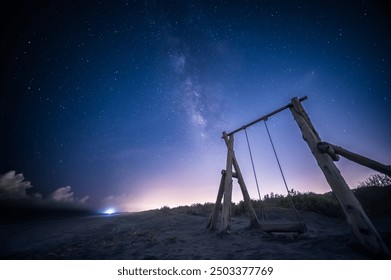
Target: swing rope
(279, 166)
(255, 174)
(252, 163)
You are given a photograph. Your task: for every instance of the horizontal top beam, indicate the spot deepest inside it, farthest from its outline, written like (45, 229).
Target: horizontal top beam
(265, 117)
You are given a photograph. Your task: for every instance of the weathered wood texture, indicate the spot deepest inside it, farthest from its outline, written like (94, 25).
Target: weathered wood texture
(226, 212)
(357, 220)
(246, 197)
(337, 150)
(216, 208)
(264, 117)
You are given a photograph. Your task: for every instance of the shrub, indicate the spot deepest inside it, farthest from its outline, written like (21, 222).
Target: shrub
(324, 204)
(165, 209)
(376, 180)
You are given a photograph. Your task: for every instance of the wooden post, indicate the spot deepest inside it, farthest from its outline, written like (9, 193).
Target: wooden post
(226, 213)
(357, 220)
(325, 147)
(246, 197)
(216, 208)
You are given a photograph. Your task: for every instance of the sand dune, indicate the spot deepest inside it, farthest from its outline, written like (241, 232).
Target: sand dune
(170, 234)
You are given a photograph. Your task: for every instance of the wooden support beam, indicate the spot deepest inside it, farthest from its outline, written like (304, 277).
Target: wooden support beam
(216, 208)
(265, 117)
(385, 169)
(246, 197)
(324, 148)
(357, 220)
(234, 175)
(226, 213)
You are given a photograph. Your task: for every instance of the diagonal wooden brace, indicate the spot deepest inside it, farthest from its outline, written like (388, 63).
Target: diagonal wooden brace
(358, 221)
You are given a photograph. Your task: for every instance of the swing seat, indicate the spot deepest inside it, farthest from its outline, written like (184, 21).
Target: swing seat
(282, 220)
(283, 227)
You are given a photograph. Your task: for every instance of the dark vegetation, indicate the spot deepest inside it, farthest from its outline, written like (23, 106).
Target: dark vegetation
(374, 195)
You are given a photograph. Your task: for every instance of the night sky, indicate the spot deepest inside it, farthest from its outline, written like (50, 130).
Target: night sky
(122, 103)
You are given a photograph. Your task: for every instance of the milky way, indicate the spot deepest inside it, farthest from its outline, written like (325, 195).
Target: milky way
(122, 103)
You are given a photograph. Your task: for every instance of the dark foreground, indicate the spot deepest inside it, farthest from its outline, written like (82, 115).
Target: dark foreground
(168, 234)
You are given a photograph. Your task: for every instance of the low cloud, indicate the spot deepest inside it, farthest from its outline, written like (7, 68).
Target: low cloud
(83, 199)
(13, 185)
(65, 194)
(62, 194)
(14, 195)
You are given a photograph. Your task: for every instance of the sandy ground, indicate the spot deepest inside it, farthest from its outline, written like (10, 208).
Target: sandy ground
(168, 234)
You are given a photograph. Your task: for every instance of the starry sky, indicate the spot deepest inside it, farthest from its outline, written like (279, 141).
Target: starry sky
(122, 103)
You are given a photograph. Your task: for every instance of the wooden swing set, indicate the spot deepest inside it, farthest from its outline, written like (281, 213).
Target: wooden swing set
(324, 153)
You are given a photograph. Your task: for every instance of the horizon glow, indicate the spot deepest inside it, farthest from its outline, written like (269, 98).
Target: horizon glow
(109, 211)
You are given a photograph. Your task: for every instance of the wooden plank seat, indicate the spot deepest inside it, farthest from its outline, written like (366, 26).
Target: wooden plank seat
(283, 227)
